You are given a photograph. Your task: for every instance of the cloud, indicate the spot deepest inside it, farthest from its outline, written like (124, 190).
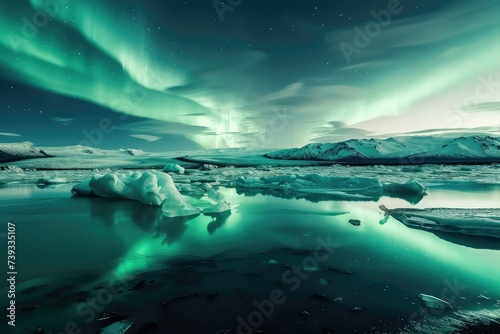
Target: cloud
(160, 127)
(451, 132)
(338, 131)
(63, 120)
(146, 137)
(482, 107)
(8, 134)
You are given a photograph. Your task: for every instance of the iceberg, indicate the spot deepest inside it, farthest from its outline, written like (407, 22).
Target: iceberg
(347, 188)
(315, 183)
(218, 200)
(175, 168)
(151, 187)
(473, 222)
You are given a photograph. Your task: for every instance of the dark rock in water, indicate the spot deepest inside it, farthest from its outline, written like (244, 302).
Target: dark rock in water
(148, 327)
(356, 309)
(168, 304)
(341, 271)
(304, 314)
(355, 222)
(182, 298)
(30, 308)
(326, 330)
(321, 298)
(212, 296)
(110, 316)
(141, 285)
(38, 330)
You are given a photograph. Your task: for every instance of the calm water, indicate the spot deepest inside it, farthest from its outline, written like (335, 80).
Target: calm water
(389, 264)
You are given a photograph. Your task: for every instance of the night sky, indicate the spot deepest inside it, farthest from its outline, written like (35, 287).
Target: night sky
(180, 75)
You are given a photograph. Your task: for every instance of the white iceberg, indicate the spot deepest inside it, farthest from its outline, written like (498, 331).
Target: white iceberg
(175, 168)
(218, 200)
(151, 187)
(356, 188)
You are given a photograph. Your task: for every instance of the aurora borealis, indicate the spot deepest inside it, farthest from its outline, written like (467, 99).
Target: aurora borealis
(182, 74)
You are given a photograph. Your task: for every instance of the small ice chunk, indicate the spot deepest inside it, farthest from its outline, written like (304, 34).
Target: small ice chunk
(118, 327)
(411, 187)
(434, 302)
(11, 168)
(325, 282)
(175, 168)
(51, 180)
(219, 201)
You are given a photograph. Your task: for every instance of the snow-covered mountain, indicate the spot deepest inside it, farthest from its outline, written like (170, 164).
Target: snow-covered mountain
(413, 150)
(18, 151)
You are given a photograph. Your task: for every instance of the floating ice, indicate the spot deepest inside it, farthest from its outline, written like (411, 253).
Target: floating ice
(51, 180)
(173, 168)
(434, 302)
(315, 183)
(151, 187)
(477, 222)
(12, 168)
(360, 188)
(118, 327)
(217, 198)
(411, 187)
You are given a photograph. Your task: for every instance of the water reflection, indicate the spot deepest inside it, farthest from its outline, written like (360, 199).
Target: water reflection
(173, 228)
(115, 212)
(218, 220)
(317, 197)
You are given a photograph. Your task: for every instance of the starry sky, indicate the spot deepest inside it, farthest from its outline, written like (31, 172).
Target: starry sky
(186, 75)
